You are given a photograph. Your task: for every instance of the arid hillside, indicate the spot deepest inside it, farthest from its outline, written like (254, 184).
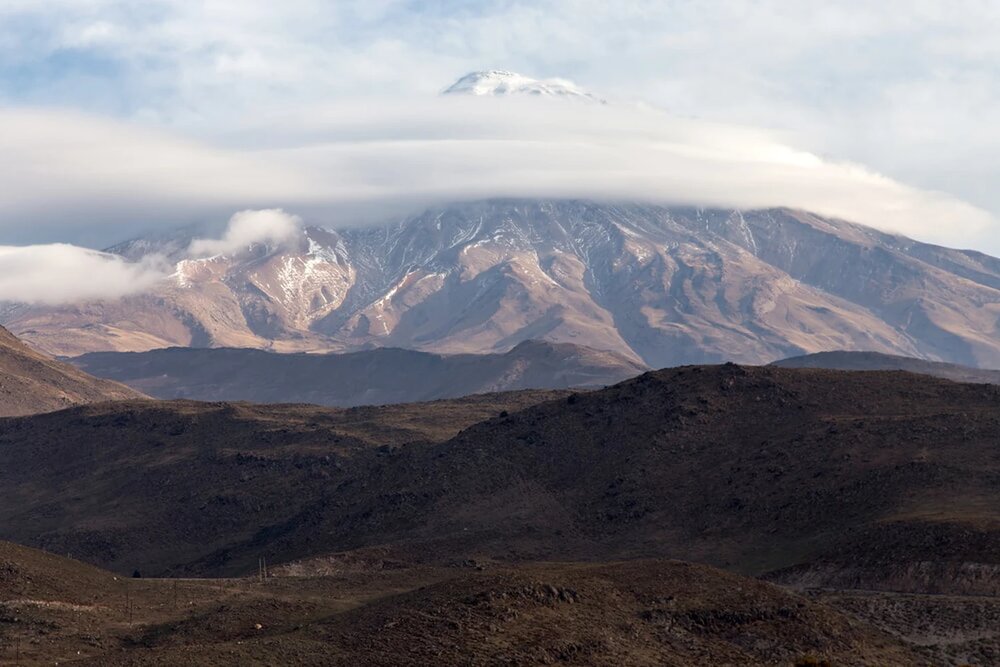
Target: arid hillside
(379, 612)
(31, 382)
(157, 485)
(874, 480)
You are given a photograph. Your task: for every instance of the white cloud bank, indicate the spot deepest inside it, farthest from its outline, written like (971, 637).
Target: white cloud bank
(60, 273)
(388, 155)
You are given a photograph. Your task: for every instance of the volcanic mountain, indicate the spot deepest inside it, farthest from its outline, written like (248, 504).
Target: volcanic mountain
(661, 286)
(371, 377)
(31, 382)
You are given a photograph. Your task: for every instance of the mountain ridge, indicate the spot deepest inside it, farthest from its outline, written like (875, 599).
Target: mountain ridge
(663, 286)
(876, 361)
(371, 377)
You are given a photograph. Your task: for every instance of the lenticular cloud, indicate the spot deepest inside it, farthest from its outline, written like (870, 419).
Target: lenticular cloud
(375, 158)
(387, 156)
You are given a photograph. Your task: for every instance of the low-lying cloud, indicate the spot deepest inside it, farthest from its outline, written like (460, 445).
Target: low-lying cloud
(59, 273)
(272, 227)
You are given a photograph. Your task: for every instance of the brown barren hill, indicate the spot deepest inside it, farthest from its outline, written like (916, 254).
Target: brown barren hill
(869, 480)
(156, 485)
(875, 480)
(647, 612)
(31, 382)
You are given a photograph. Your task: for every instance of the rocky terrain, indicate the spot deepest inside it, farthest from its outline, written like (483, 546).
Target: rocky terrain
(661, 286)
(875, 361)
(373, 377)
(810, 477)
(945, 629)
(379, 612)
(31, 382)
(522, 527)
(158, 485)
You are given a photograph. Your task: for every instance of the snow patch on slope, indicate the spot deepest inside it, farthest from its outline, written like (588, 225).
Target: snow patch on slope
(497, 83)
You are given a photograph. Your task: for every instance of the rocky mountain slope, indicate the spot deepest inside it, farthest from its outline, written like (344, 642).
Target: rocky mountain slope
(661, 286)
(31, 382)
(867, 480)
(874, 361)
(164, 482)
(373, 377)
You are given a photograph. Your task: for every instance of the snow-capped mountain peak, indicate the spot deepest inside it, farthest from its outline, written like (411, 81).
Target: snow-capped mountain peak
(502, 82)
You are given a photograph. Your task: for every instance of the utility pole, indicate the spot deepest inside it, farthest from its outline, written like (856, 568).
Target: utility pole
(128, 604)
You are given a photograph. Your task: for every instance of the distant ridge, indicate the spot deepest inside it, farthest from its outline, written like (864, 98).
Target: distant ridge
(877, 361)
(369, 377)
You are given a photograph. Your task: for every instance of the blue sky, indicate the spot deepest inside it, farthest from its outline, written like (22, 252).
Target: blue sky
(907, 89)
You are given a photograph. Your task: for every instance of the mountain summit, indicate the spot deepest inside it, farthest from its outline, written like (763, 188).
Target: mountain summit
(498, 83)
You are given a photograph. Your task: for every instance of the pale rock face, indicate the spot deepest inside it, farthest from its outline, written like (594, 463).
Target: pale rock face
(660, 286)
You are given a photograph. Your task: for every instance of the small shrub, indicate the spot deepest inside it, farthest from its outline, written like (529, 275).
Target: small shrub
(812, 661)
